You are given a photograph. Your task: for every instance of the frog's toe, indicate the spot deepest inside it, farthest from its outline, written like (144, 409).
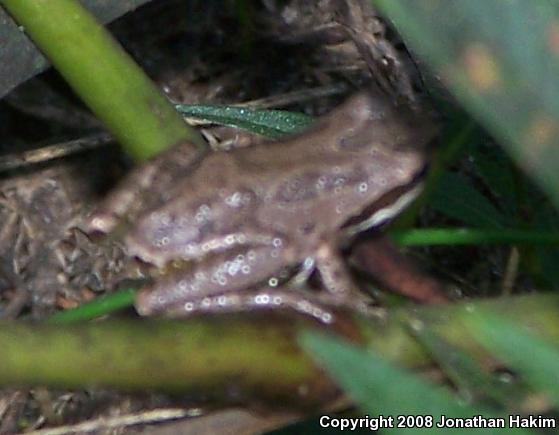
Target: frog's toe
(101, 221)
(147, 303)
(151, 302)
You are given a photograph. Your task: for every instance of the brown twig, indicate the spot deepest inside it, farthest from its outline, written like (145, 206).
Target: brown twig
(396, 272)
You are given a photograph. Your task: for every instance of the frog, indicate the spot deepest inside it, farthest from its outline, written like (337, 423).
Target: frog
(227, 230)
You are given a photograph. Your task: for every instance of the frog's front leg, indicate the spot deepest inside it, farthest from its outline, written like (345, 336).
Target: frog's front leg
(337, 280)
(185, 283)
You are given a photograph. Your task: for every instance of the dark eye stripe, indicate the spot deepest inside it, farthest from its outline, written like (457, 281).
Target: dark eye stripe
(388, 212)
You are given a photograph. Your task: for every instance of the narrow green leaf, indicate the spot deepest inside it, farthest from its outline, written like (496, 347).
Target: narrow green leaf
(456, 198)
(470, 236)
(456, 135)
(546, 259)
(536, 359)
(381, 389)
(96, 308)
(501, 60)
(272, 124)
(499, 175)
(466, 373)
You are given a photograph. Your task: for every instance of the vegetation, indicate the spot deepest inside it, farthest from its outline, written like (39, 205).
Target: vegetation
(500, 62)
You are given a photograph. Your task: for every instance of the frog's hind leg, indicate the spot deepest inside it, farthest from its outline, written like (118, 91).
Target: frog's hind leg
(267, 298)
(225, 273)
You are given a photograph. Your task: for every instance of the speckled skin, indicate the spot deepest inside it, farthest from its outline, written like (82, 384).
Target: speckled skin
(235, 219)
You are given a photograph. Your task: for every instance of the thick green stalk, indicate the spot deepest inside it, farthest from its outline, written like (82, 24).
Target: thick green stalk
(223, 358)
(246, 357)
(103, 75)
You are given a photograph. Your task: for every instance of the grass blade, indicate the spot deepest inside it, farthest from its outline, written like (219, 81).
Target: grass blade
(381, 389)
(272, 124)
(501, 59)
(536, 359)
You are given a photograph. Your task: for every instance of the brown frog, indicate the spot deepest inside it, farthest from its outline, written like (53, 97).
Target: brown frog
(220, 232)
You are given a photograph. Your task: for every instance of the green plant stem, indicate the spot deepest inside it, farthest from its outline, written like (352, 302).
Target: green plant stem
(99, 307)
(471, 236)
(103, 75)
(249, 356)
(221, 357)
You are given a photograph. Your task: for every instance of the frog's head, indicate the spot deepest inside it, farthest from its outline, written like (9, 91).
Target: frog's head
(393, 139)
(385, 125)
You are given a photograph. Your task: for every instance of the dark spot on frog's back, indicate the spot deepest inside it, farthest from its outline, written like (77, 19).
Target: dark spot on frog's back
(307, 228)
(297, 189)
(356, 141)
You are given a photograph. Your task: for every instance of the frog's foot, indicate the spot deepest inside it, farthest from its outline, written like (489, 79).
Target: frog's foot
(268, 298)
(337, 279)
(161, 171)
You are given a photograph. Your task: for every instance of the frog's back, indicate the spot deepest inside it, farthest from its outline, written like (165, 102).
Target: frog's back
(365, 122)
(359, 155)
